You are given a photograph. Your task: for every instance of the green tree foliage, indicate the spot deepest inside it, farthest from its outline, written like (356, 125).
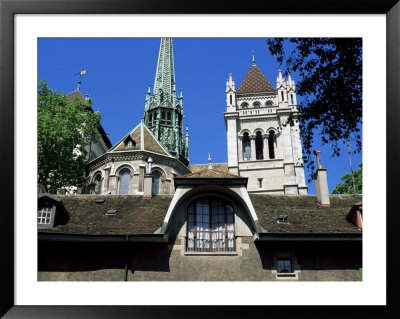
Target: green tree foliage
(330, 71)
(347, 186)
(64, 129)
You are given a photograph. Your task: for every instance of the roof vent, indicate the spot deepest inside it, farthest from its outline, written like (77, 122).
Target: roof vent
(282, 219)
(99, 201)
(111, 212)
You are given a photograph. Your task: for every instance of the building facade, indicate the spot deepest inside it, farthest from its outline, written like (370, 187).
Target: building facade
(151, 217)
(263, 134)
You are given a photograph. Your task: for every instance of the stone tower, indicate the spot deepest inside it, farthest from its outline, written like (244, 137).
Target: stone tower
(263, 133)
(163, 111)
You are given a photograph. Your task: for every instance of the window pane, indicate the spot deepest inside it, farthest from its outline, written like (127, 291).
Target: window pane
(124, 184)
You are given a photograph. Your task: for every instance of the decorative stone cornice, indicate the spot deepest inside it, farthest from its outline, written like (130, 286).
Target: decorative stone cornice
(135, 156)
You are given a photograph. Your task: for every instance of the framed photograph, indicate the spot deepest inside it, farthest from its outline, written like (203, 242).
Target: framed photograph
(26, 28)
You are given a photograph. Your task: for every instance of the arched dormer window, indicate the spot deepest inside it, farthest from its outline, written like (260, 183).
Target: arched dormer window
(271, 141)
(97, 184)
(244, 105)
(124, 181)
(269, 103)
(156, 182)
(259, 146)
(256, 104)
(246, 146)
(210, 226)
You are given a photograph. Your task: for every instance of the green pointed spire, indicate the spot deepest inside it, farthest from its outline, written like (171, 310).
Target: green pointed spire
(163, 112)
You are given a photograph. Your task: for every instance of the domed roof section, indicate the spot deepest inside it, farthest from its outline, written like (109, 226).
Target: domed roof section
(255, 82)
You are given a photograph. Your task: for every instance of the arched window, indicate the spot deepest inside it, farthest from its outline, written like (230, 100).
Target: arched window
(156, 182)
(244, 105)
(271, 148)
(97, 184)
(169, 117)
(269, 103)
(256, 104)
(124, 181)
(246, 146)
(259, 146)
(291, 98)
(282, 95)
(163, 115)
(210, 226)
(150, 118)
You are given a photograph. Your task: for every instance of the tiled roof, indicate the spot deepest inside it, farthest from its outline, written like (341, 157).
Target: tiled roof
(255, 82)
(209, 173)
(150, 143)
(75, 95)
(223, 167)
(303, 214)
(135, 215)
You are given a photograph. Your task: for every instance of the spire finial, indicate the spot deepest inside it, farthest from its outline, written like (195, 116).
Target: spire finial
(209, 161)
(253, 62)
(80, 79)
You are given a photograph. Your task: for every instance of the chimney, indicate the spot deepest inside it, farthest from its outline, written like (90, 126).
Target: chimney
(322, 184)
(148, 181)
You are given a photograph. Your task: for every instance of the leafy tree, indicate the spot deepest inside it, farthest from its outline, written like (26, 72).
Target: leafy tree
(330, 71)
(64, 129)
(347, 186)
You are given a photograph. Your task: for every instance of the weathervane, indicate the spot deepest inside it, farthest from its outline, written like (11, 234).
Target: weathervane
(80, 78)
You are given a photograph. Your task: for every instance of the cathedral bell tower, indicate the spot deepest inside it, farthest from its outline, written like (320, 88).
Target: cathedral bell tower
(263, 134)
(163, 111)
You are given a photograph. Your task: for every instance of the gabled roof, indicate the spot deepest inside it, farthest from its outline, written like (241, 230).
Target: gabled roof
(255, 82)
(304, 216)
(134, 215)
(222, 167)
(209, 173)
(148, 140)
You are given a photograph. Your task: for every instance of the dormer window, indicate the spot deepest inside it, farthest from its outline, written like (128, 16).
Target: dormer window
(44, 215)
(129, 142)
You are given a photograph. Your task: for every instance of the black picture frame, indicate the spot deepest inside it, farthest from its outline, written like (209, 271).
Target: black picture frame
(8, 10)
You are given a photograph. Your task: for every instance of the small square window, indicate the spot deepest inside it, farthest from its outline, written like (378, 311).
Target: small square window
(284, 266)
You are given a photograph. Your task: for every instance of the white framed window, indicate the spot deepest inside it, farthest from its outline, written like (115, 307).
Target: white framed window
(210, 226)
(44, 215)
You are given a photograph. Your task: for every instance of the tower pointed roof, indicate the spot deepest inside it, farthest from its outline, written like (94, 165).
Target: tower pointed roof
(164, 82)
(255, 82)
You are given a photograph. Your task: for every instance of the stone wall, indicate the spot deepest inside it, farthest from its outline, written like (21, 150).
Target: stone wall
(89, 261)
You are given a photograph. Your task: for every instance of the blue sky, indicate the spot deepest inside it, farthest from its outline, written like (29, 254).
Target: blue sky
(119, 71)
